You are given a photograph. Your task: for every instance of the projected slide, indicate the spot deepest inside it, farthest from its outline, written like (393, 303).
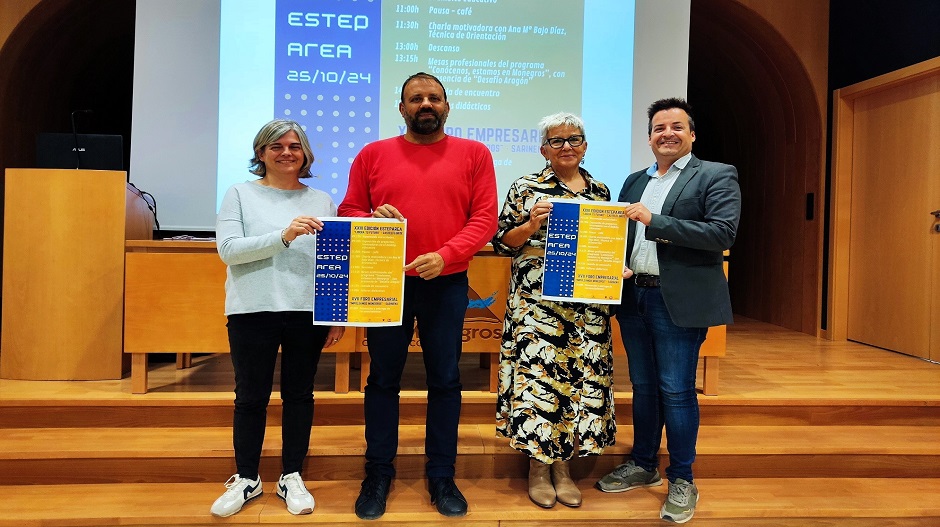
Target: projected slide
(328, 78)
(337, 68)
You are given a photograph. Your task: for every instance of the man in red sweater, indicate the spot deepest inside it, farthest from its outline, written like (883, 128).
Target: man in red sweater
(446, 187)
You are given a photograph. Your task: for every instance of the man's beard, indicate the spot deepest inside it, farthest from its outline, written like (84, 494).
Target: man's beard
(425, 126)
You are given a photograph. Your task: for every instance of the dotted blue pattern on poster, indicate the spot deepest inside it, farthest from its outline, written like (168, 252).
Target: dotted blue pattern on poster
(561, 250)
(331, 291)
(327, 79)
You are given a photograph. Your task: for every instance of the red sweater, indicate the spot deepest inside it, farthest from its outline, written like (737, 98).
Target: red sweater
(446, 191)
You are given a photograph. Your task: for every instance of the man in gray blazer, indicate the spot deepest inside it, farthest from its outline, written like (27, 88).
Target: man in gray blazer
(685, 214)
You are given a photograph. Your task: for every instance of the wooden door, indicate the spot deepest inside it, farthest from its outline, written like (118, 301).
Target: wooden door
(894, 250)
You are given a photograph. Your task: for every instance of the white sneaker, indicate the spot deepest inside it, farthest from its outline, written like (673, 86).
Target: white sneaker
(292, 490)
(240, 490)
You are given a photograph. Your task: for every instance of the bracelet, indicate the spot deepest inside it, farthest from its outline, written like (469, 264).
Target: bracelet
(283, 239)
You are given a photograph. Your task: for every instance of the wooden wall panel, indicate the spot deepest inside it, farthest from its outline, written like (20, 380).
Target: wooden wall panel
(757, 86)
(11, 13)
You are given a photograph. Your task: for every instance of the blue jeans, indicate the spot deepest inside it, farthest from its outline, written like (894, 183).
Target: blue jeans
(663, 358)
(254, 339)
(439, 305)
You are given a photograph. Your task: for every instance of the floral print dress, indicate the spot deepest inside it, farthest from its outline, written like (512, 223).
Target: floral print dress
(555, 368)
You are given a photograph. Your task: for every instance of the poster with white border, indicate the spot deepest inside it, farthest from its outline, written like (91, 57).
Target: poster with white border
(359, 277)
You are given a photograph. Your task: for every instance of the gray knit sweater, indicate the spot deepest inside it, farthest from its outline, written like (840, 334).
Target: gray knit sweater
(262, 274)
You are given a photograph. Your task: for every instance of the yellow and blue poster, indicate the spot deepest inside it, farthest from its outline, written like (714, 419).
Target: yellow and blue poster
(359, 278)
(585, 249)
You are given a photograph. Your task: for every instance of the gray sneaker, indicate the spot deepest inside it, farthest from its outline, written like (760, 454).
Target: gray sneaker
(680, 503)
(628, 476)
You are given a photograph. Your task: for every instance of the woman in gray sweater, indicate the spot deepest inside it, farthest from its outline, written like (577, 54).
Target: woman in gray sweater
(261, 231)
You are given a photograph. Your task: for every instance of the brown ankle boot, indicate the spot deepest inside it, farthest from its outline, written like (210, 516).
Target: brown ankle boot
(541, 491)
(567, 492)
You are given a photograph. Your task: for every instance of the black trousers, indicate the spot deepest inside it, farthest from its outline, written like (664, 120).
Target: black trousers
(439, 306)
(254, 339)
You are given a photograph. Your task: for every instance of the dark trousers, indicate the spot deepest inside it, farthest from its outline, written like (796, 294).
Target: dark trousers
(254, 339)
(439, 306)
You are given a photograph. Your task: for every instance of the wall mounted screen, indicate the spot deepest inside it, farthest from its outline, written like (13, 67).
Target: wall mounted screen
(209, 73)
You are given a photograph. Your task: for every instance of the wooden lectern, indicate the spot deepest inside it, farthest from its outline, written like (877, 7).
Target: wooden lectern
(63, 272)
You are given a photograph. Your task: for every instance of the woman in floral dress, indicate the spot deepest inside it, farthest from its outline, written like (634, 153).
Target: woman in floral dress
(555, 398)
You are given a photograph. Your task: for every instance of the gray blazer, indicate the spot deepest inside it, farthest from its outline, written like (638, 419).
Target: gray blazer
(699, 221)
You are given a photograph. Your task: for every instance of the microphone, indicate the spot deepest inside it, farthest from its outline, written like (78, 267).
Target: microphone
(78, 157)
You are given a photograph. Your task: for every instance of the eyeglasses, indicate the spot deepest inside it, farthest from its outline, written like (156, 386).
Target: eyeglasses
(557, 142)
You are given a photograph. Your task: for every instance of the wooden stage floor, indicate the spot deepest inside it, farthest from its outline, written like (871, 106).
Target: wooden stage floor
(763, 362)
(804, 432)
